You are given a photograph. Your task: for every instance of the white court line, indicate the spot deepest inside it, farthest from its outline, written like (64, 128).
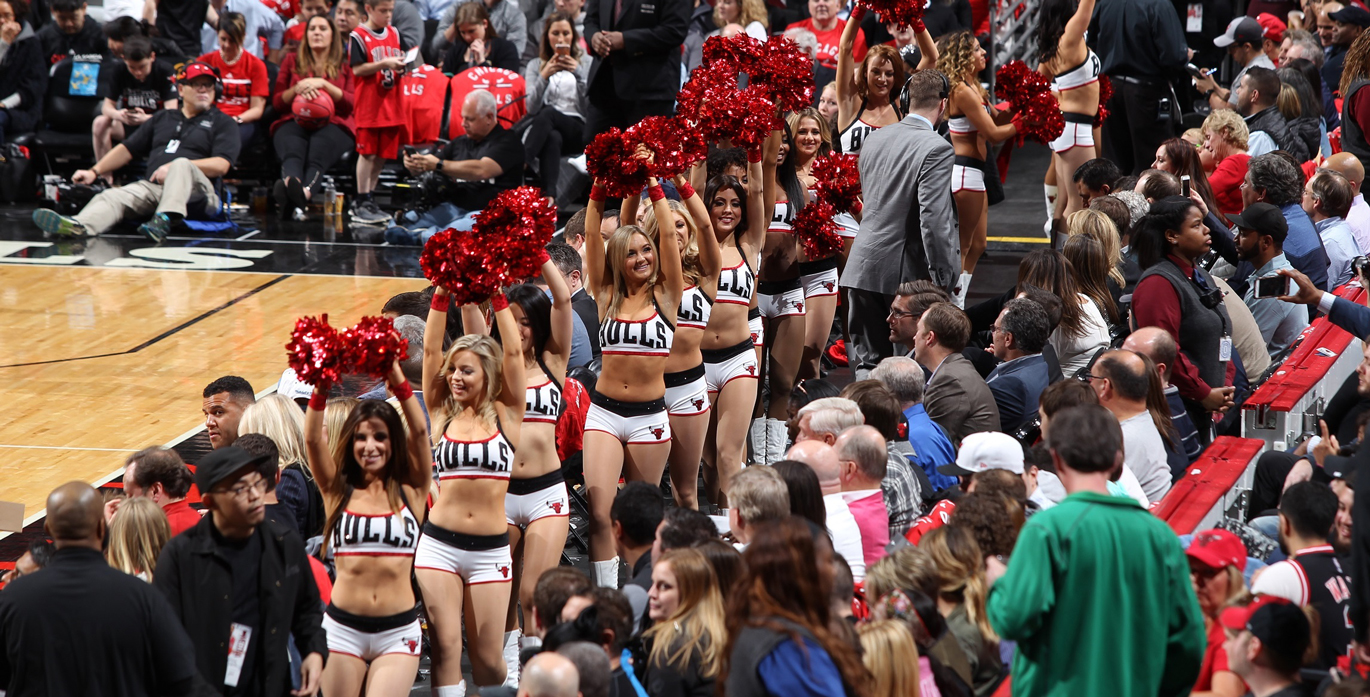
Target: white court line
(63, 447)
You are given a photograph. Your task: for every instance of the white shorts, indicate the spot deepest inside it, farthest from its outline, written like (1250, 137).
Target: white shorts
(476, 559)
(722, 366)
(780, 298)
(369, 638)
(846, 225)
(531, 500)
(1076, 135)
(687, 393)
(757, 328)
(964, 178)
(819, 278)
(630, 422)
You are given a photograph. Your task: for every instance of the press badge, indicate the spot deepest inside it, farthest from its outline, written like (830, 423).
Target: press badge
(1225, 349)
(173, 145)
(239, 636)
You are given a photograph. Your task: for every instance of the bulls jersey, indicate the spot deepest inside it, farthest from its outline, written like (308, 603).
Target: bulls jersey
(380, 535)
(1314, 576)
(737, 285)
(643, 337)
(244, 79)
(849, 141)
(425, 91)
(491, 458)
(379, 99)
(543, 402)
(695, 308)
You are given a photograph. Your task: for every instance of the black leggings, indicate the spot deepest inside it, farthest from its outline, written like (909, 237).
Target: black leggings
(550, 135)
(307, 155)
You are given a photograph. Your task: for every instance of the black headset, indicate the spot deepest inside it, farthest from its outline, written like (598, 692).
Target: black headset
(218, 78)
(905, 98)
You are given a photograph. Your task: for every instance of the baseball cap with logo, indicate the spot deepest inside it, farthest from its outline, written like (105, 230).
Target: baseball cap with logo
(1273, 27)
(1243, 30)
(990, 450)
(1280, 625)
(197, 69)
(1218, 549)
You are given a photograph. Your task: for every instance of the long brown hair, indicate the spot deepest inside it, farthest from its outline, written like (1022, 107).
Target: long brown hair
(1157, 404)
(1184, 157)
(1049, 270)
(475, 13)
(783, 582)
(877, 53)
(1357, 63)
(698, 623)
(955, 58)
(545, 53)
(306, 66)
(1087, 257)
(350, 475)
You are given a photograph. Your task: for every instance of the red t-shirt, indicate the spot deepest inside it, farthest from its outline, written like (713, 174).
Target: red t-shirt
(1215, 658)
(243, 80)
(829, 40)
(181, 516)
(1226, 181)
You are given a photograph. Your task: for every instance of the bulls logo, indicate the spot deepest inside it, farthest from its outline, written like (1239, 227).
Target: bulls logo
(828, 286)
(799, 307)
(555, 506)
(657, 431)
(503, 570)
(412, 645)
(756, 338)
(751, 369)
(699, 404)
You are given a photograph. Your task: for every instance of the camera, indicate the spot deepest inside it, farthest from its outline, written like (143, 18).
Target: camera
(1360, 268)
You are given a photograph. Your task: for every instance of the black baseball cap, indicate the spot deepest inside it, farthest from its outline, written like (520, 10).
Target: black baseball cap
(1280, 625)
(1340, 467)
(1241, 30)
(1264, 218)
(1351, 15)
(223, 463)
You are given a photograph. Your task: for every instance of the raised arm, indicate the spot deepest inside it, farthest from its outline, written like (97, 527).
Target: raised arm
(710, 256)
(760, 193)
(1074, 34)
(433, 334)
(668, 251)
(420, 451)
(627, 210)
(513, 394)
(563, 316)
(321, 463)
(846, 67)
(473, 320)
(927, 50)
(596, 272)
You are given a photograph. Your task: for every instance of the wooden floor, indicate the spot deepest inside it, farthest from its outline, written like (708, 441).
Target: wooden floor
(96, 363)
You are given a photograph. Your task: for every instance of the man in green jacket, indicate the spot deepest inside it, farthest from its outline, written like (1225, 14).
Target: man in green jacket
(1098, 594)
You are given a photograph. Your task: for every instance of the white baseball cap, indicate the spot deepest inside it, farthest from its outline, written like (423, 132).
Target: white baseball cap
(990, 450)
(292, 387)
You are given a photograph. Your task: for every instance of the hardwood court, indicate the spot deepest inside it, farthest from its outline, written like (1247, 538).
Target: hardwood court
(97, 363)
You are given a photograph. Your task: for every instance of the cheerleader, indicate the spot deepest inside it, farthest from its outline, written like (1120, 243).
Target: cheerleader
(865, 95)
(475, 396)
(371, 480)
(1074, 71)
(818, 277)
(780, 298)
(638, 287)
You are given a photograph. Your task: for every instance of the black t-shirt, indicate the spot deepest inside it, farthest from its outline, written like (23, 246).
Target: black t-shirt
(128, 92)
(88, 40)
(169, 135)
(502, 146)
(180, 21)
(245, 558)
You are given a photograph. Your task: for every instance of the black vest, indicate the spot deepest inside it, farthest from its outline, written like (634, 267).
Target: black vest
(1201, 328)
(1352, 137)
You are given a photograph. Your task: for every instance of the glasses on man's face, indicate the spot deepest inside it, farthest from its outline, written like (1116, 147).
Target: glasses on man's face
(1091, 377)
(202, 86)
(897, 313)
(241, 491)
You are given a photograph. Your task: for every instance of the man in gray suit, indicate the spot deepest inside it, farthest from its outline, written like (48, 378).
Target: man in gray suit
(909, 230)
(956, 397)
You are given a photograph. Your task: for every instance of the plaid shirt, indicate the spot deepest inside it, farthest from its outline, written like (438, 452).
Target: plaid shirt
(902, 489)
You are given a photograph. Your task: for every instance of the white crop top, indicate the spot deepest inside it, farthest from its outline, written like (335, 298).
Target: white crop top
(778, 221)
(643, 337)
(543, 402)
(376, 535)
(849, 141)
(1083, 74)
(961, 124)
(492, 458)
(737, 285)
(695, 309)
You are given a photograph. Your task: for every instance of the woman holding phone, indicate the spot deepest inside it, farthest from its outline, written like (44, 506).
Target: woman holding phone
(556, 90)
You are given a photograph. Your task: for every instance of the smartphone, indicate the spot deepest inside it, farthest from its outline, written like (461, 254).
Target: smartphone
(563, 49)
(1272, 286)
(1184, 185)
(1195, 71)
(410, 151)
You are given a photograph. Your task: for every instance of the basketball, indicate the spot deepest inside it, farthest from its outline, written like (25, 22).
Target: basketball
(313, 113)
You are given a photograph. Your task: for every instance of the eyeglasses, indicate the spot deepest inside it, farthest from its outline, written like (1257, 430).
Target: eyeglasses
(201, 86)
(241, 490)
(1090, 377)
(899, 314)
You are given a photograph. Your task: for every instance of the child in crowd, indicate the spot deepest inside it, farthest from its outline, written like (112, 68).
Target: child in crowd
(309, 9)
(377, 57)
(135, 89)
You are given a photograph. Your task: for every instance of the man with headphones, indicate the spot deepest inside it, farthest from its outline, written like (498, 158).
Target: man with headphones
(909, 230)
(185, 148)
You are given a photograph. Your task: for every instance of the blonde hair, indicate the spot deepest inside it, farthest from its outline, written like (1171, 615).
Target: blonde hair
(909, 568)
(792, 121)
(960, 566)
(616, 253)
(748, 11)
(137, 535)
(276, 417)
(890, 654)
(1288, 102)
(956, 60)
(698, 623)
(1095, 224)
(1226, 123)
(491, 358)
(689, 257)
(335, 421)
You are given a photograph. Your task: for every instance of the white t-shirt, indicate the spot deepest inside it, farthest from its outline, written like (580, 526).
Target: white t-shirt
(1075, 352)
(1050, 486)
(846, 536)
(1144, 452)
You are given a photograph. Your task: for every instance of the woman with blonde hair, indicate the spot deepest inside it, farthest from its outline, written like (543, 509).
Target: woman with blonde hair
(1217, 559)
(1224, 158)
(734, 17)
(1090, 263)
(974, 125)
(961, 600)
(685, 644)
(137, 535)
(886, 647)
(276, 417)
(477, 398)
(637, 286)
(1097, 225)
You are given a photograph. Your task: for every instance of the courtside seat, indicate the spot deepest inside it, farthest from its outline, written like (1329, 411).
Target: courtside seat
(68, 109)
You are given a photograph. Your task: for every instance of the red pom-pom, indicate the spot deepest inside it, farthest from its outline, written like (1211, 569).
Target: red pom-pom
(902, 13)
(373, 346)
(317, 352)
(739, 52)
(610, 161)
(455, 260)
(778, 74)
(815, 229)
(1029, 95)
(675, 144)
(513, 231)
(1105, 94)
(786, 72)
(839, 181)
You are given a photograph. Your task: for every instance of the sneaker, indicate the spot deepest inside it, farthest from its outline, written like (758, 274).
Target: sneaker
(54, 223)
(157, 228)
(278, 194)
(368, 213)
(294, 193)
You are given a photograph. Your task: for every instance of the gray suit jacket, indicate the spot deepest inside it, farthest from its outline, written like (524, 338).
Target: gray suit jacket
(958, 399)
(909, 228)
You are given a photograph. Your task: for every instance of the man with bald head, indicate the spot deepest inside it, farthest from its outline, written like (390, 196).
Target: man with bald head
(1158, 345)
(549, 675)
(842, 527)
(113, 633)
(1349, 166)
(1121, 380)
(861, 457)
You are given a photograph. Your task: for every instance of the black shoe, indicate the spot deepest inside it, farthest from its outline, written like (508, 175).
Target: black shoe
(366, 212)
(294, 191)
(280, 196)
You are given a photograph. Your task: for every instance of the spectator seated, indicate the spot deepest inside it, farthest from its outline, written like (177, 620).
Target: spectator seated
(135, 89)
(23, 72)
(244, 84)
(71, 33)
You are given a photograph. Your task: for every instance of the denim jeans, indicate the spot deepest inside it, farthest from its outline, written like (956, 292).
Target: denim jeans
(417, 228)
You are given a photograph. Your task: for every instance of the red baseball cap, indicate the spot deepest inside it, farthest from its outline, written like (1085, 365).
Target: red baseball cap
(197, 69)
(1272, 27)
(1218, 549)
(1279, 624)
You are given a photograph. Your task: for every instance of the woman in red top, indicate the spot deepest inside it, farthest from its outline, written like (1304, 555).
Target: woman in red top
(1216, 561)
(1224, 158)
(308, 150)
(243, 76)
